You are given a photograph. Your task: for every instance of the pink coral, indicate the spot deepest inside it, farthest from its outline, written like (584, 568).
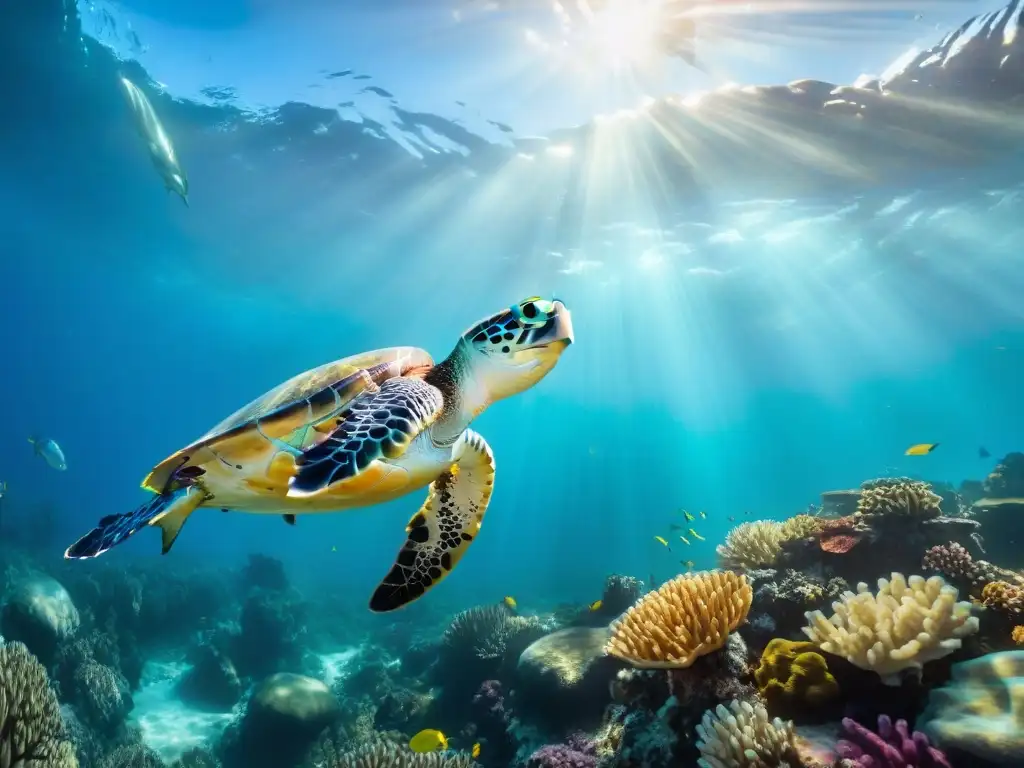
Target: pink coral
(892, 747)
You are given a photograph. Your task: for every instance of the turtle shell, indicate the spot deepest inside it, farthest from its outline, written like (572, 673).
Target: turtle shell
(297, 414)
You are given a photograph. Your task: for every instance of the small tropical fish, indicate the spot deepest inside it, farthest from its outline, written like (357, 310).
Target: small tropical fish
(595, 606)
(50, 452)
(731, 519)
(746, 511)
(983, 452)
(428, 740)
(689, 564)
(704, 515)
(689, 518)
(695, 535)
(920, 449)
(661, 540)
(510, 602)
(475, 752)
(685, 540)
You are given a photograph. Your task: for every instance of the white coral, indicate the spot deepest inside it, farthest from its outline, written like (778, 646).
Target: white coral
(742, 736)
(907, 624)
(751, 545)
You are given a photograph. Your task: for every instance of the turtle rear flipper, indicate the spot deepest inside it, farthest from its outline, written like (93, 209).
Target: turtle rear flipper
(442, 530)
(169, 511)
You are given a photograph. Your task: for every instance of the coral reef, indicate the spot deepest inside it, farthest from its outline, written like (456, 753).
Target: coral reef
(577, 752)
(31, 729)
(898, 497)
(389, 755)
(686, 617)
(751, 545)
(839, 503)
(892, 745)
(794, 677)
(980, 714)
(740, 735)
(1006, 481)
(906, 624)
(1008, 598)
(955, 562)
(39, 612)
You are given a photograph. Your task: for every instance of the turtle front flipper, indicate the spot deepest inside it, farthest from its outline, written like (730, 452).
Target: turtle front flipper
(376, 425)
(445, 526)
(169, 511)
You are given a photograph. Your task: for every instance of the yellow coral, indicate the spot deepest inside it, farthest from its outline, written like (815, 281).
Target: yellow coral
(800, 527)
(899, 497)
(751, 545)
(1017, 635)
(793, 674)
(907, 623)
(682, 620)
(1003, 596)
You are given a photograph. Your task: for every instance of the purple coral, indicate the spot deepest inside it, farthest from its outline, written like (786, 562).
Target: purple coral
(491, 699)
(892, 747)
(577, 752)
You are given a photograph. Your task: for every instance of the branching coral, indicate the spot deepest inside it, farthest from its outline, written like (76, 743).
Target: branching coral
(685, 618)
(892, 746)
(800, 527)
(751, 545)
(898, 496)
(793, 676)
(389, 755)
(908, 623)
(742, 736)
(487, 632)
(954, 561)
(31, 730)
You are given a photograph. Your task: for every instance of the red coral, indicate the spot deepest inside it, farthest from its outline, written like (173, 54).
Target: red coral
(841, 535)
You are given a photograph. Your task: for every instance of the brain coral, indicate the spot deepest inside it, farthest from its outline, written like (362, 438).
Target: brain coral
(981, 711)
(683, 619)
(792, 676)
(31, 729)
(908, 623)
(899, 496)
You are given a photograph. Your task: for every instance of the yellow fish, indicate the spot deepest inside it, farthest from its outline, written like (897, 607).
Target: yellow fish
(660, 540)
(920, 449)
(510, 602)
(475, 752)
(428, 740)
(695, 535)
(689, 564)
(686, 541)
(704, 514)
(689, 518)
(595, 606)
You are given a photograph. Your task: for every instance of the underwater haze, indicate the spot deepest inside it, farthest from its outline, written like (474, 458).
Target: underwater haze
(788, 235)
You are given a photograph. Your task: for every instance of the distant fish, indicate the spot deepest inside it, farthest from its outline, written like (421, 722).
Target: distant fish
(3, 489)
(703, 515)
(428, 740)
(475, 751)
(731, 519)
(689, 518)
(983, 452)
(685, 540)
(689, 564)
(662, 541)
(695, 535)
(161, 151)
(920, 449)
(50, 452)
(510, 602)
(595, 606)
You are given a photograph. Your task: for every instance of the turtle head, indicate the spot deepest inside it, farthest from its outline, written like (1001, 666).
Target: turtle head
(514, 349)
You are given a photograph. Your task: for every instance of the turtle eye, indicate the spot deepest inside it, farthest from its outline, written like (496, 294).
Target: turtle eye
(533, 311)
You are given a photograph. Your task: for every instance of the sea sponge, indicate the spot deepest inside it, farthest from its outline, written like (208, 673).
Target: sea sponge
(1004, 597)
(792, 675)
(683, 619)
(751, 545)
(388, 755)
(981, 711)
(908, 623)
(800, 527)
(31, 729)
(742, 736)
(898, 496)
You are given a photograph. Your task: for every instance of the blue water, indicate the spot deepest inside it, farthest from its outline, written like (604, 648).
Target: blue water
(741, 365)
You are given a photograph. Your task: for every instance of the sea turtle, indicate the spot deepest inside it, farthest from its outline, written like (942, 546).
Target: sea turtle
(361, 431)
